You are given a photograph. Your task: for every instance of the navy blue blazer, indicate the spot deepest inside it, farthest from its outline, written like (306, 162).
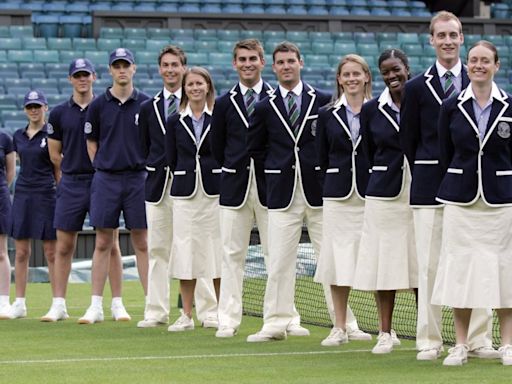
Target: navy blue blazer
(473, 168)
(418, 133)
(381, 144)
(229, 147)
(184, 157)
(152, 130)
(341, 160)
(271, 142)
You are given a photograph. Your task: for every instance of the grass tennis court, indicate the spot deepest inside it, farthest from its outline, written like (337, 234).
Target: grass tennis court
(34, 352)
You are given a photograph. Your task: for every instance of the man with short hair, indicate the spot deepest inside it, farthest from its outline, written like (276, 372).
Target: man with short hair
(172, 64)
(281, 142)
(68, 153)
(113, 144)
(242, 189)
(418, 134)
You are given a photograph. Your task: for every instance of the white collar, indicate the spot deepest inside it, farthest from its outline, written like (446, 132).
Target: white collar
(297, 90)
(495, 93)
(343, 101)
(167, 93)
(257, 88)
(188, 111)
(441, 71)
(385, 97)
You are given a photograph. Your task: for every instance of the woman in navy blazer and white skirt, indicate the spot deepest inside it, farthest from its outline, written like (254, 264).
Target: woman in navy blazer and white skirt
(387, 253)
(346, 176)
(475, 266)
(196, 246)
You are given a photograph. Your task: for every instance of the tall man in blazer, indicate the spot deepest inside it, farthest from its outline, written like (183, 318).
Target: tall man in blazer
(281, 141)
(172, 63)
(242, 188)
(424, 95)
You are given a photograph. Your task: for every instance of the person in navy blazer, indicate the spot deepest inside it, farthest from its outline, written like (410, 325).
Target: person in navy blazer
(476, 158)
(419, 117)
(281, 139)
(387, 254)
(196, 246)
(242, 187)
(346, 176)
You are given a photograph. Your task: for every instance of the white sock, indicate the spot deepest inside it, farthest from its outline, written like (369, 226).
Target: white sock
(59, 301)
(117, 301)
(4, 299)
(20, 301)
(97, 301)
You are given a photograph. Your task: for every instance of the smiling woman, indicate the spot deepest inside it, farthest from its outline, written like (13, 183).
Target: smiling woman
(476, 156)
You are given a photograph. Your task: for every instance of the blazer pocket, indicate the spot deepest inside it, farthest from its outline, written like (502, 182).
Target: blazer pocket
(228, 170)
(332, 170)
(150, 169)
(275, 171)
(426, 162)
(382, 168)
(217, 170)
(311, 117)
(180, 173)
(458, 171)
(504, 173)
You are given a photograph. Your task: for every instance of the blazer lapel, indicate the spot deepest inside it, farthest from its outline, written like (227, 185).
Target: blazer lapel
(237, 100)
(340, 115)
(308, 99)
(206, 129)
(158, 106)
(433, 84)
(186, 121)
(277, 103)
(466, 107)
(386, 110)
(499, 106)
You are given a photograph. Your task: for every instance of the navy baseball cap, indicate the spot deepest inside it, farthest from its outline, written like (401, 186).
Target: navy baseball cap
(121, 54)
(81, 65)
(35, 97)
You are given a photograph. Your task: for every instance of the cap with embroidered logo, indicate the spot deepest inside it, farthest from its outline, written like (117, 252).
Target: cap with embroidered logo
(121, 54)
(81, 65)
(35, 97)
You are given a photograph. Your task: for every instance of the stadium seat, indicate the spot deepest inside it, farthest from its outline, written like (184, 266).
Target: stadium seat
(78, 8)
(469, 39)
(364, 37)
(109, 45)
(20, 56)
(146, 57)
(500, 11)
(47, 25)
(319, 61)
(10, 43)
(21, 30)
(46, 56)
(344, 48)
(133, 44)
(318, 10)
(111, 33)
(158, 33)
(254, 8)
(68, 56)
(59, 43)
(220, 59)
(411, 49)
(37, 66)
(387, 36)
(122, 7)
(251, 34)
(71, 25)
(144, 7)
(100, 6)
(4, 31)
(368, 49)
(97, 57)
(323, 48)
(359, 11)
(216, 8)
(205, 35)
(7, 102)
(17, 83)
(228, 34)
(297, 36)
(205, 46)
(380, 12)
(339, 11)
(407, 38)
(189, 8)
(225, 46)
(166, 7)
(274, 35)
(304, 46)
(323, 36)
(197, 58)
(186, 45)
(33, 42)
(157, 45)
(83, 44)
(135, 33)
(297, 10)
(182, 34)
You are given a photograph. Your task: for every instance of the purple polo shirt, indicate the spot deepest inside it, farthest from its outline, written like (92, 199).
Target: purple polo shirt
(66, 124)
(115, 127)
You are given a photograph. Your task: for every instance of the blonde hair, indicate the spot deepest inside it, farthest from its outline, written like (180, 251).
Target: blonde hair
(366, 68)
(210, 96)
(443, 16)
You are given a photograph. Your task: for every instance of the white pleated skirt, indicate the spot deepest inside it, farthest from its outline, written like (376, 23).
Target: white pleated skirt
(196, 246)
(341, 235)
(387, 253)
(475, 266)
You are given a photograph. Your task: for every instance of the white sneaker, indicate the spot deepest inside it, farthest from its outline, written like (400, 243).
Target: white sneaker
(296, 330)
(17, 311)
(92, 315)
(384, 344)
(119, 313)
(148, 323)
(457, 355)
(56, 313)
(484, 353)
(357, 334)
(429, 354)
(5, 310)
(337, 337)
(211, 322)
(184, 323)
(394, 337)
(262, 336)
(225, 332)
(506, 354)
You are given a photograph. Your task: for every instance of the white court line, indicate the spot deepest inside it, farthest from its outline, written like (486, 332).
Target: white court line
(188, 357)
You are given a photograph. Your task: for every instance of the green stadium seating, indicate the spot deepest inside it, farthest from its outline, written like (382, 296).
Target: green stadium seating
(59, 43)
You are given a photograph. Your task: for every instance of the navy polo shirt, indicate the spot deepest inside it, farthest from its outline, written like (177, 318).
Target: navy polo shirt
(6, 147)
(115, 127)
(66, 124)
(36, 169)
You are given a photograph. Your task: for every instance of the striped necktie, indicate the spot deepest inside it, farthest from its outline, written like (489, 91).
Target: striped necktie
(250, 101)
(449, 85)
(293, 112)
(171, 109)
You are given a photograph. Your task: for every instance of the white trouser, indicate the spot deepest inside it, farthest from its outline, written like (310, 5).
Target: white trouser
(428, 232)
(284, 232)
(159, 219)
